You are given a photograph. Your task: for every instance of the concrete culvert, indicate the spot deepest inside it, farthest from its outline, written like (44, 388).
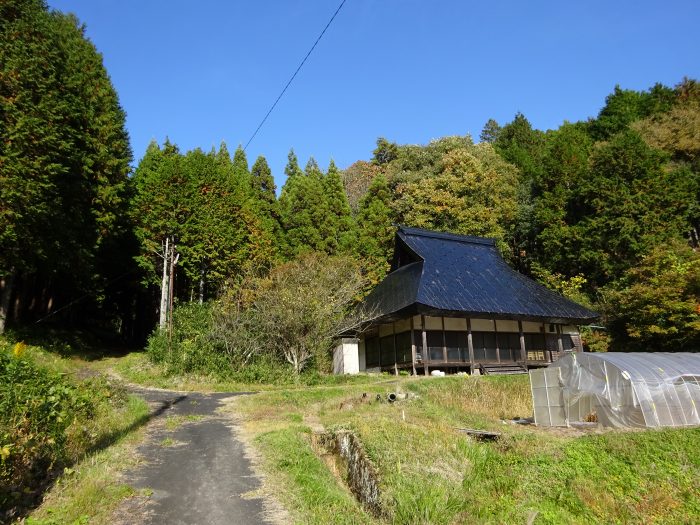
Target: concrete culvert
(391, 397)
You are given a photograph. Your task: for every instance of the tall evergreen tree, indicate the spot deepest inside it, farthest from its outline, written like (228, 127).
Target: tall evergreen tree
(262, 182)
(624, 106)
(385, 151)
(240, 165)
(292, 168)
(264, 195)
(65, 157)
(520, 144)
(490, 131)
(339, 215)
(223, 157)
(303, 209)
(632, 203)
(375, 232)
(559, 205)
(159, 208)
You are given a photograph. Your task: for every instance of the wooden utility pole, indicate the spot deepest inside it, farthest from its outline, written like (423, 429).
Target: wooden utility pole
(174, 257)
(170, 258)
(165, 286)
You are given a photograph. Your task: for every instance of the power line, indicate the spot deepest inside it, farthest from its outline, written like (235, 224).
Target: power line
(295, 74)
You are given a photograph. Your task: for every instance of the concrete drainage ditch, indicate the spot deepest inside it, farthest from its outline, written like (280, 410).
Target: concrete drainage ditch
(345, 456)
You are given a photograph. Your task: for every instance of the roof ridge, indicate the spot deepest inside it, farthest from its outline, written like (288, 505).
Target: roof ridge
(472, 239)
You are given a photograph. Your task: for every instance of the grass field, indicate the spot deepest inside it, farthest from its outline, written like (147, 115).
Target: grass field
(430, 472)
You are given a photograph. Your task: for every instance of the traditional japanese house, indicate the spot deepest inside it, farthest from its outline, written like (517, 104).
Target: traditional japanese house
(452, 303)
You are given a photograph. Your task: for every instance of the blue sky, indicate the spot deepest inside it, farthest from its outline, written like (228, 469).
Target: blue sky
(410, 70)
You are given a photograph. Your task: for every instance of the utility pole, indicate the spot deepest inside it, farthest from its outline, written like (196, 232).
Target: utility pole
(165, 286)
(170, 258)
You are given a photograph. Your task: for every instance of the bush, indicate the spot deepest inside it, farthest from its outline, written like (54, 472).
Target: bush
(190, 347)
(195, 348)
(265, 327)
(41, 423)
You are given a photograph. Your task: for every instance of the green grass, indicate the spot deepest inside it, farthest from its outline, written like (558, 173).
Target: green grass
(317, 497)
(92, 489)
(430, 472)
(97, 441)
(136, 368)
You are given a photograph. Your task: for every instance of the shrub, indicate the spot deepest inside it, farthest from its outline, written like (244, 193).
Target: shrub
(265, 327)
(189, 347)
(195, 347)
(40, 414)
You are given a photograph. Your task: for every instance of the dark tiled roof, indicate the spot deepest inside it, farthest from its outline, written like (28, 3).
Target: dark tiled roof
(443, 273)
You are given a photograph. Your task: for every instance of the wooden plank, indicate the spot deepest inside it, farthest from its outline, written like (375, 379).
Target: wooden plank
(560, 344)
(498, 350)
(393, 334)
(444, 340)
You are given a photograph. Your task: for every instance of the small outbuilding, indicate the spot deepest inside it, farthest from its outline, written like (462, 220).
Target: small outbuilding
(452, 303)
(653, 389)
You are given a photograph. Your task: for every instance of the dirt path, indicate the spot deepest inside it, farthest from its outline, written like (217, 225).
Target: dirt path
(195, 470)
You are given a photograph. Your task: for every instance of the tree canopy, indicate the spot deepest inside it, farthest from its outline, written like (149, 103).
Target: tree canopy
(608, 207)
(65, 158)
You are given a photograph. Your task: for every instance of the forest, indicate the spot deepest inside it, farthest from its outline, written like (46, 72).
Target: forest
(229, 273)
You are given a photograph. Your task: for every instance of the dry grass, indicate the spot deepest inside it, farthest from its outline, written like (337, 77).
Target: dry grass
(432, 473)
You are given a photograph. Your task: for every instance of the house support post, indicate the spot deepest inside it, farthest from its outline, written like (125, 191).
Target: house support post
(498, 349)
(413, 345)
(393, 332)
(444, 341)
(523, 351)
(560, 343)
(470, 345)
(424, 336)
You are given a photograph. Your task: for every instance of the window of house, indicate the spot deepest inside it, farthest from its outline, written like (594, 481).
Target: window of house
(403, 347)
(457, 347)
(535, 342)
(484, 346)
(386, 350)
(435, 345)
(509, 346)
(372, 352)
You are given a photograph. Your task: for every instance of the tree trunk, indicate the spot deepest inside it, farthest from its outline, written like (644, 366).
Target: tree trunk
(6, 286)
(165, 286)
(202, 273)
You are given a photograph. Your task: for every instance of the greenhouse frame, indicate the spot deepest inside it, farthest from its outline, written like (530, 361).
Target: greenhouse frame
(644, 390)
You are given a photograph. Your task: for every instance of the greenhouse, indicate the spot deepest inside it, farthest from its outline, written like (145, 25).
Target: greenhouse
(618, 390)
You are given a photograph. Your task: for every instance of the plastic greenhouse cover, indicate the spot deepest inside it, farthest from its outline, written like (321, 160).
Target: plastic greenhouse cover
(632, 389)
